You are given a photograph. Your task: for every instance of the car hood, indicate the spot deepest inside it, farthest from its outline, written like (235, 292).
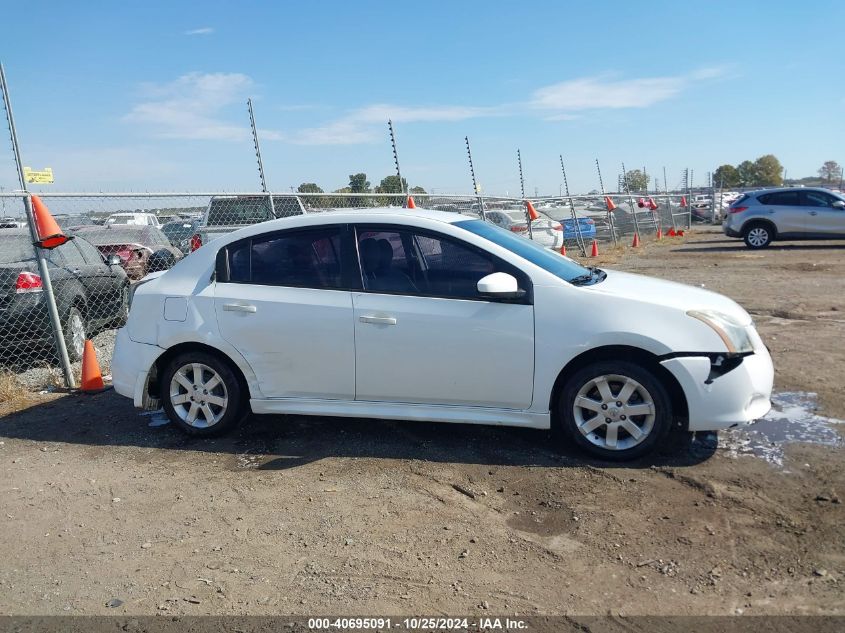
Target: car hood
(667, 293)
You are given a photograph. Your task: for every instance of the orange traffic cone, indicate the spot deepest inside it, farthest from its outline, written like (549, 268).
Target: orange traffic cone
(410, 204)
(92, 378)
(659, 233)
(563, 250)
(671, 233)
(532, 212)
(609, 203)
(641, 203)
(680, 233)
(636, 241)
(49, 233)
(595, 251)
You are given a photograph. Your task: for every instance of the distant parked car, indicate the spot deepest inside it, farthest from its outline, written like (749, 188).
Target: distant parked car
(229, 213)
(179, 232)
(141, 249)
(801, 213)
(134, 219)
(91, 293)
(550, 233)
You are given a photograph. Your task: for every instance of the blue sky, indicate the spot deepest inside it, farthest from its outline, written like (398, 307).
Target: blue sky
(151, 95)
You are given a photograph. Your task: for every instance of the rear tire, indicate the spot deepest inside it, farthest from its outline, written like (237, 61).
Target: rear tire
(75, 332)
(614, 410)
(758, 235)
(202, 395)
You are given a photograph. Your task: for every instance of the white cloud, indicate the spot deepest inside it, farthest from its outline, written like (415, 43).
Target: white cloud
(206, 30)
(594, 93)
(191, 106)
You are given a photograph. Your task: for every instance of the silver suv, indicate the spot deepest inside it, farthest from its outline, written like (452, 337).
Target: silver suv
(803, 213)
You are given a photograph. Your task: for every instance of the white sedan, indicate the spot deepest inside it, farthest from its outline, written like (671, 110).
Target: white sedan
(425, 315)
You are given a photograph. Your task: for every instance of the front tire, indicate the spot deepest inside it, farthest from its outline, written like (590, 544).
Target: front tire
(758, 235)
(614, 410)
(201, 394)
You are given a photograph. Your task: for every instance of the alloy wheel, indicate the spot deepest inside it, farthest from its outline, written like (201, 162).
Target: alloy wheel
(614, 412)
(758, 236)
(198, 395)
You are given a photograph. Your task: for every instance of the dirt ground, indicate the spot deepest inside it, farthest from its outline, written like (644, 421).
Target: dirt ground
(103, 513)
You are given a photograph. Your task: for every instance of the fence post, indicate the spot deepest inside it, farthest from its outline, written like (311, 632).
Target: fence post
(630, 199)
(609, 212)
(522, 188)
(43, 270)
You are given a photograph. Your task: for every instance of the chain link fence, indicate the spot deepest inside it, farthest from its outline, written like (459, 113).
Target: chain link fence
(119, 238)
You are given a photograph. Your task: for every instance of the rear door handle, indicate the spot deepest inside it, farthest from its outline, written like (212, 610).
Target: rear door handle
(239, 307)
(378, 320)
(814, 212)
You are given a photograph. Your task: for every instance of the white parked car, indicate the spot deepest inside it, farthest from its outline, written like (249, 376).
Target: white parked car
(425, 315)
(544, 231)
(135, 219)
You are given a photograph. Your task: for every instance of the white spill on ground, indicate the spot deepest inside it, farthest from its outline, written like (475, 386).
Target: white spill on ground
(157, 418)
(793, 418)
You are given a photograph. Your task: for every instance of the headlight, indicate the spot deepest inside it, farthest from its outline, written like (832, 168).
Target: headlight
(734, 335)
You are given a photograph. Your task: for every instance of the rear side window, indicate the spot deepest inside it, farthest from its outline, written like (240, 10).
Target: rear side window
(302, 259)
(780, 198)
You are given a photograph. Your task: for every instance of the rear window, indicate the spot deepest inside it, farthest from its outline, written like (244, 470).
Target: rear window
(244, 211)
(15, 248)
(742, 198)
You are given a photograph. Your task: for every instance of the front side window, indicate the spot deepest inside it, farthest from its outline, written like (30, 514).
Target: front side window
(412, 262)
(304, 259)
(816, 199)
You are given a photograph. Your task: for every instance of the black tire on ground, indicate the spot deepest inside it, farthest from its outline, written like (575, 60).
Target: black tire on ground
(758, 235)
(224, 418)
(595, 441)
(73, 328)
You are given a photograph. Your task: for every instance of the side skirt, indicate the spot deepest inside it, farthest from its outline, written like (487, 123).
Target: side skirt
(401, 411)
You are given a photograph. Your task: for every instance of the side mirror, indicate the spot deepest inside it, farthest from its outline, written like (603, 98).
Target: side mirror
(839, 204)
(113, 260)
(500, 286)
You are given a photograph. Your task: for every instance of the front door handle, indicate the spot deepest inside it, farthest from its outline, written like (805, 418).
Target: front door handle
(378, 320)
(239, 307)
(814, 212)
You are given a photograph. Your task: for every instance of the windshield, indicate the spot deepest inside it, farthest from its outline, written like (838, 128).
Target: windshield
(549, 261)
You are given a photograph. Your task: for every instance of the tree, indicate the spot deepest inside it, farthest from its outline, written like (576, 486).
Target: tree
(747, 173)
(637, 180)
(358, 183)
(390, 184)
(726, 176)
(768, 171)
(309, 187)
(417, 190)
(831, 170)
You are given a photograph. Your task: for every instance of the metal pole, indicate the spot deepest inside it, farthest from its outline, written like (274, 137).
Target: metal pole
(258, 156)
(475, 182)
(580, 238)
(43, 270)
(689, 198)
(395, 156)
(668, 200)
(522, 187)
(609, 212)
(630, 199)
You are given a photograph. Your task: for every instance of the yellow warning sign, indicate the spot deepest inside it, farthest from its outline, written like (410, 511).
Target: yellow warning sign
(43, 177)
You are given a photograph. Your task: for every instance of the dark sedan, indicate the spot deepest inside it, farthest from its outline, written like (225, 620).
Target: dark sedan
(141, 249)
(91, 295)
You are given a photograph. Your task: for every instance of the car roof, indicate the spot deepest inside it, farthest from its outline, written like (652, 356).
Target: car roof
(760, 192)
(384, 215)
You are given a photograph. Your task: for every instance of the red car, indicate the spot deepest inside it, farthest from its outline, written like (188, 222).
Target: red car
(142, 249)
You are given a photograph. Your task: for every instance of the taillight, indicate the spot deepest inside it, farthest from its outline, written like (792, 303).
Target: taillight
(736, 209)
(125, 254)
(28, 282)
(196, 242)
